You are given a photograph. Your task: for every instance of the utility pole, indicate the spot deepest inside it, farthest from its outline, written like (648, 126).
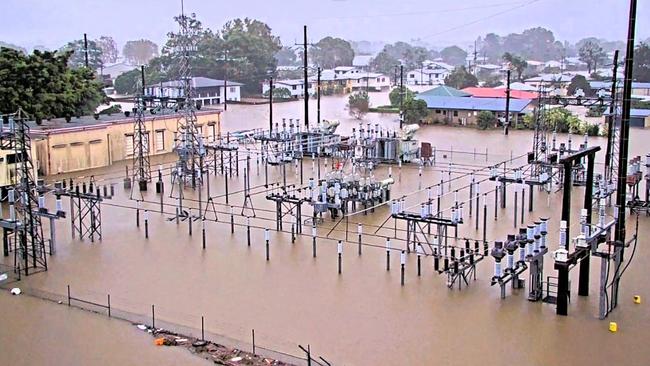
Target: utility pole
(318, 95)
(225, 81)
(610, 122)
(507, 122)
(401, 95)
(304, 61)
(86, 49)
(270, 105)
(619, 234)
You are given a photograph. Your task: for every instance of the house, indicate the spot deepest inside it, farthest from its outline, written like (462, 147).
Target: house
(362, 62)
(431, 73)
(444, 91)
(519, 86)
(206, 91)
(638, 117)
(115, 70)
(342, 70)
(464, 110)
(547, 80)
(499, 93)
(370, 81)
(639, 89)
(535, 66)
(295, 86)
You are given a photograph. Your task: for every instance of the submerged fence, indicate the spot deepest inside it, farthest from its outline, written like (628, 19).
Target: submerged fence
(154, 320)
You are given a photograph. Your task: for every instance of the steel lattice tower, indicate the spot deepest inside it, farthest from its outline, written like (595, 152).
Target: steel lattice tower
(141, 143)
(25, 226)
(189, 145)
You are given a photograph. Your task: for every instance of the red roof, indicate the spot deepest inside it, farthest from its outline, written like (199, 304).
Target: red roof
(499, 93)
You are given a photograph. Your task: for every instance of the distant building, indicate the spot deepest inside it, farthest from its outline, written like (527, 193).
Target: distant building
(115, 70)
(548, 80)
(499, 93)
(519, 86)
(206, 91)
(86, 142)
(639, 89)
(295, 86)
(362, 62)
(444, 91)
(638, 118)
(464, 110)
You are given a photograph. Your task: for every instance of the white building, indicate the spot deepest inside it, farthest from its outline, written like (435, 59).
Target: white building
(368, 80)
(426, 76)
(206, 91)
(295, 86)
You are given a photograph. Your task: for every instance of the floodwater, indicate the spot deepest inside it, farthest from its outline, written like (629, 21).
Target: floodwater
(360, 317)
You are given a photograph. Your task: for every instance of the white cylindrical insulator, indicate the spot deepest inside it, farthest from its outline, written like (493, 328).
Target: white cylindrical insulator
(390, 171)
(145, 215)
(360, 229)
(11, 196)
(402, 258)
(59, 205)
(267, 235)
(522, 254)
(563, 226)
(511, 260)
(497, 269)
(41, 201)
(423, 210)
(339, 247)
(387, 244)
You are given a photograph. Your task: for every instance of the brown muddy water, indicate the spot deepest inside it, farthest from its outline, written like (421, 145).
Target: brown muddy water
(360, 317)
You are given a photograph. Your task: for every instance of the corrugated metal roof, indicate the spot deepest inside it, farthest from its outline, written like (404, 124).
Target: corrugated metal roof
(499, 93)
(474, 104)
(445, 91)
(201, 82)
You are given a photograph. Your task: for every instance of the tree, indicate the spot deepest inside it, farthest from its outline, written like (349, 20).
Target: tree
(384, 63)
(517, 63)
(393, 96)
(139, 52)
(358, 104)
(591, 53)
(109, 49)
(641, 69)
(460, 78)
(13, 46)
(78, 54)
(331, 52)
(45, 86)
(485, 120)
(579, 82)
(286, 57)
(562, 120)
(453, 55)
(415, 110)
(279, 93)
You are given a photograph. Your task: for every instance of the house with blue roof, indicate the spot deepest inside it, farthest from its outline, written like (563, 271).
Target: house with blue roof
(464, 110)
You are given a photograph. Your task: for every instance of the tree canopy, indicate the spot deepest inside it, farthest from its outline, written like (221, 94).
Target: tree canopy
(641, 69)
(532, 44)
(330, 52)
(453, 55)
(139, 52)
(286, 57)
(579, 82)
(78, 54)
(415, 110)
(517, 63)
(591, 53)
(358, 104)
(461, 78)
(109, 49)
(44, 85)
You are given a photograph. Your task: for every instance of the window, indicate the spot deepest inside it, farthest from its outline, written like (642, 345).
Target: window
(160, 140)
(294, 87)
(444, 113)
(199, 130)
(128, 144)
(438, 111)
(212, 129)
(412, 76)
(175, 138)
(232, 89)
(455, 113)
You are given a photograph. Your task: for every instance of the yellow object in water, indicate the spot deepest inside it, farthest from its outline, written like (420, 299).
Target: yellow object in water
(613, 327)
(637, 299)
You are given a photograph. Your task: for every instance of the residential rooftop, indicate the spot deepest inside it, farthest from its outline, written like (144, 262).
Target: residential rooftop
(474, 104)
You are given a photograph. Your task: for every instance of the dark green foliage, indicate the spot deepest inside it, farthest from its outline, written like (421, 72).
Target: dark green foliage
(453, 55)
(415, 110)
(485, 120)
(641, 69)
(331, 52)
(358, 104)
(78, 54)
(44, 86)
(393, 96)
(517, 63)
(279, 93)
(461, 78)
(579, 82)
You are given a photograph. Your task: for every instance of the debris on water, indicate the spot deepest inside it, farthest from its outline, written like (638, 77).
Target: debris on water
(16, 291)
(142, 327)
(236, 359)
(199, 344)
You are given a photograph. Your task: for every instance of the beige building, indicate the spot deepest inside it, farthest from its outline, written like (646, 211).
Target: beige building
(85, 143)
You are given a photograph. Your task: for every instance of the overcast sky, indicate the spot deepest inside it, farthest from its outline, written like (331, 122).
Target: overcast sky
(440, 22)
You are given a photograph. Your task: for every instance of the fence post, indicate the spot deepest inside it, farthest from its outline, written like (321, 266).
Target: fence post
(68, 295)
(253, 331)
(109, 304)
(153, 316)
(202, 328)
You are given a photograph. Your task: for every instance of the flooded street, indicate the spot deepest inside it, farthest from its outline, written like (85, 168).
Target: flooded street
(360, 317)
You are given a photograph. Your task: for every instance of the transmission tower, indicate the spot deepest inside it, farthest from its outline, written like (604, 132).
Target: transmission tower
(23, 229)
(189, 145)
(141, 143)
